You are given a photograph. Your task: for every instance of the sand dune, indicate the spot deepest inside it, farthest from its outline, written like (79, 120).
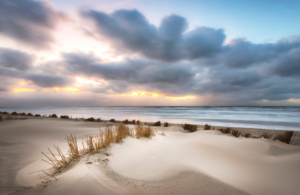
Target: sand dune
(203, 162)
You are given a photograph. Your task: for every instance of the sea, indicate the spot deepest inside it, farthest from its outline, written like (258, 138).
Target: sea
(279, 118)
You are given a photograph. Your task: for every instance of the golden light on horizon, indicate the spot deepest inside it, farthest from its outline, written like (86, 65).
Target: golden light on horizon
(69, 89)
(153, 94)
(82, 81)
(22, 90)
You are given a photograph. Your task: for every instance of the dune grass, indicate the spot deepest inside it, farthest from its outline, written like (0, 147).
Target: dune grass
(166, 124)
(91, 119)
(54, 116)
(111, 134)
(37, 115)
(235, 133)
(158, 124)
(207, 127)
(285, 137)
(189, 127)
(225, 130)
(266, 135)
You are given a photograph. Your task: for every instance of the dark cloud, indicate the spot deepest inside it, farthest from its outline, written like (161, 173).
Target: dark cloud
(49, 81)
(130, 29)
(240, 53)
(287, 65)
(15, 59)
(29, 21)
(41, 80)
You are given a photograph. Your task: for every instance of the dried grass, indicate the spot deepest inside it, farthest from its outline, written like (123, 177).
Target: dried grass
(189, 127)
(37, 115)
(225, 131)
(235, 133)
(247, 135)
(54, 116)
(64, 117)
(15, 113)
(166, 124)
(57, 161)
(158, 124)
(73, 147)
(266, 135)
(29, 114)
(91, 119)
(112, 134)
(112, 120)
(143, 131)
(207, 127)
(285, 137)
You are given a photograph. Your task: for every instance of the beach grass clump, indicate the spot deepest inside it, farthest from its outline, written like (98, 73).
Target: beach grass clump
(138, 122)
(122, 132)
(207, 127)
(112, 120)
(125, 122)
(98, 120)
(235, 133)
(266, 135)
(189, 127)
(64, 117)
(73, 147)
(143, 131)
(91, 119)
(57, 161)
(225, 130)
(166, 124)
(1, 117)
(158, 124)
(5, 112)
(247, 135)
(22, 114)
(285, 137)
(15, 113)
(133, 122)
(53, 116)
(29, 114)
(37, 115)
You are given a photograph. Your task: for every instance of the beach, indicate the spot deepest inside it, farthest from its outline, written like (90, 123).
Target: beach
(174, 161)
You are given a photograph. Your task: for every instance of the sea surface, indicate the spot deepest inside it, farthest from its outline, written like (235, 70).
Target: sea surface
(281, 118)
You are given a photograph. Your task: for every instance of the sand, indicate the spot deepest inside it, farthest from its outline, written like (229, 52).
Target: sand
(203, 162)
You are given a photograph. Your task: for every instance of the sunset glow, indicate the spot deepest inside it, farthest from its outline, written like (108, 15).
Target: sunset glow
(69, 89)
(82, 81)
(153, 94)
(22, 89)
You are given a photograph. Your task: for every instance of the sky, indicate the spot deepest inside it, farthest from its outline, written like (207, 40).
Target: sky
(149, 53)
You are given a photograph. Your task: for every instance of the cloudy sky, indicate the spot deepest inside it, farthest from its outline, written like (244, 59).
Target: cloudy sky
(149, 52)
